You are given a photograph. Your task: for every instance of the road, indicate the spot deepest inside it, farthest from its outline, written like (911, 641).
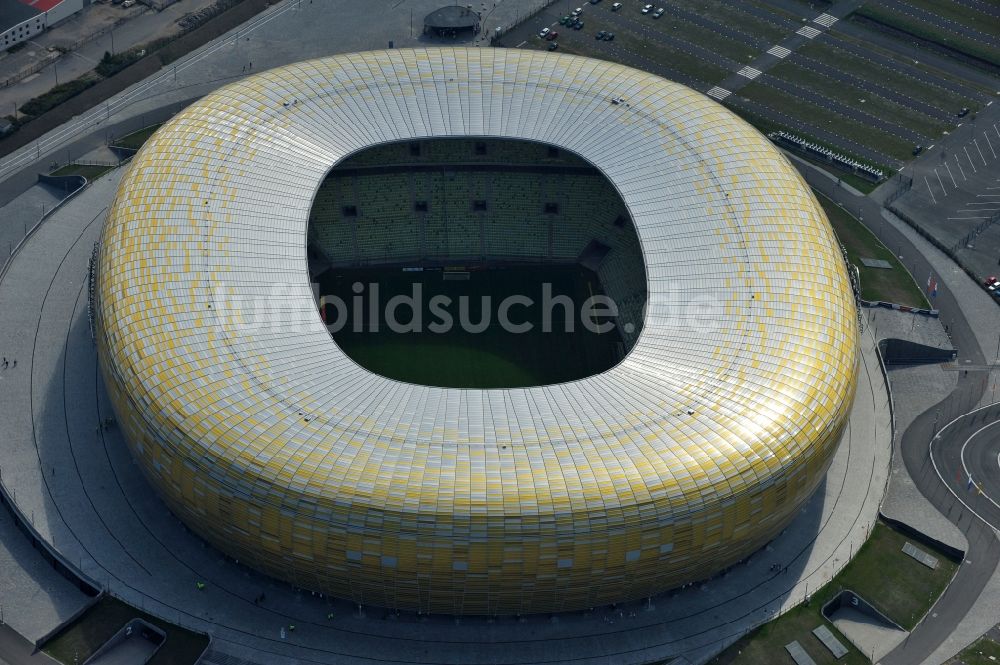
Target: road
(983, 553)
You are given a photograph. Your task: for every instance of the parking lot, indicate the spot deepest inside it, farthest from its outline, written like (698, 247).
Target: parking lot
(782, 65)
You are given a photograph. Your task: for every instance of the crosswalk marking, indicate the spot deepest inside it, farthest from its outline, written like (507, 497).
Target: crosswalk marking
(749, 72)
(719, 93)
(825, 20)
(807, 32)
(779, 51)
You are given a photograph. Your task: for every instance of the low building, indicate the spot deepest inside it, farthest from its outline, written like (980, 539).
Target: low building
(21, 20)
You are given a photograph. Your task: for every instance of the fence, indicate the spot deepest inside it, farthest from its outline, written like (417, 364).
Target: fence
(502, 30)
(969, 241)
(25, 72)
(903, 185)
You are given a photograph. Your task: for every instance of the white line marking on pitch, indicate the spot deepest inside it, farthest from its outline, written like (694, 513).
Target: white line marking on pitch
(929, 190)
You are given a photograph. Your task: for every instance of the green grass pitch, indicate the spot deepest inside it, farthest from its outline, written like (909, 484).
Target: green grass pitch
(459, 358)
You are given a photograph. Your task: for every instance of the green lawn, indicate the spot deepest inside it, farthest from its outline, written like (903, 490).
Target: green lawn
(656, 52)
(895, 583)
(929, 32)
(135, 140)
(725, 13)
(708, 39)
(88, 171)
(459, 358)
(961, 14)
(663, 60)
(895, 285)
(766, 126)
(76, 642)
(811, 114)
(860, 99)
(872, 70)
(766, 645)
(983, 652)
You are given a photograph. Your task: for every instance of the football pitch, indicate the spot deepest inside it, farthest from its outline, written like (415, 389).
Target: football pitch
(475, 351)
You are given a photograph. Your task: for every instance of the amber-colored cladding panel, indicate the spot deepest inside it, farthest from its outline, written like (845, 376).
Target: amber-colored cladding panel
(257, 430)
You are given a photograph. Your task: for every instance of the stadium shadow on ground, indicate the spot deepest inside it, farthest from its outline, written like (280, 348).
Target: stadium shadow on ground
(476, 263)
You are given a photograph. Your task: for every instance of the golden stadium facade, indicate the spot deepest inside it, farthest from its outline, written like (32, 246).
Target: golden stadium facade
(684, 458)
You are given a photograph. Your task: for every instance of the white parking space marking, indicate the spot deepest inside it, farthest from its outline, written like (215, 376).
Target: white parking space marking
(950, 174)
(929, 190)
(779, 51)
(807, 32)
(976, 141)
(749, 72)
(825, 20)
(960, 169)
(718, 93)
(990, 143)
(966, 150)
(940, 182)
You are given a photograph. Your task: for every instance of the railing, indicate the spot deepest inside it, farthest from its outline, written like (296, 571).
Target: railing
(903, 185)
(969, 241)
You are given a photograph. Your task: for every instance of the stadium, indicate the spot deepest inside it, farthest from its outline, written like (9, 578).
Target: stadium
(602, 468)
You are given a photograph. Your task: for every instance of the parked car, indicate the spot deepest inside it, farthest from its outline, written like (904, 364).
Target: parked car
(578, 25)
(576, 12)
(658, 13)
(609, 36)
(615, 7)
(544, 33)
(600, 35)
(991, 283)
(565, 20)
(552, 35)
(964, 111)
(917, 149)
(553, 46)
(594, 2)
(647, 8)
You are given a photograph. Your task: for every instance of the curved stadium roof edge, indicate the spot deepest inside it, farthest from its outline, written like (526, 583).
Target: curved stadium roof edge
(684, 458)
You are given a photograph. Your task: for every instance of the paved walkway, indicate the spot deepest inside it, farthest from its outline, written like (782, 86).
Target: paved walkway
(34, 597)
(969, 606)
